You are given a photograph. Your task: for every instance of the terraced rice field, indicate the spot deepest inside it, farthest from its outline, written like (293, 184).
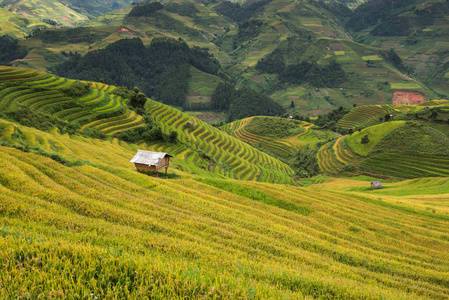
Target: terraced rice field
(364, 116)
(284, 147)
(41, 92)
(277, 146)
(336, 154)
(224, 151)
(407, 166)
(100, 229)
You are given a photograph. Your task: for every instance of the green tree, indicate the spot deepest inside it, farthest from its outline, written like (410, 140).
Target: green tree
(173, 136)
(137, 99)
(365, 139)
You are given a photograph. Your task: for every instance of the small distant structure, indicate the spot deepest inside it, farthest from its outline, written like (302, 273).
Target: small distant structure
(190, 124)
(151, 161)
(376, 185)
(290, 117)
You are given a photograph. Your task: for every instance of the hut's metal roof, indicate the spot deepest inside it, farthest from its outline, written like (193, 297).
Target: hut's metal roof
(148, 158)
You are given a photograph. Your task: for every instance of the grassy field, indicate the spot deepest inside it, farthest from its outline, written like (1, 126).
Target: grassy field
(100, 229)
(375, 134)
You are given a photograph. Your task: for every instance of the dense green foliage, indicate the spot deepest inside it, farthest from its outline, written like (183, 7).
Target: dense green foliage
(10, 49)
(149, 133)
(305, 163)
(160, 71)
(25, 116)
(274, 127)
(395, 18)
(243, 103)
(320, 76)
(76, 89)
(247, 103)
(373, 11)
(223, 96)
(394, 59)
(414, 138)
(295, 62)
(273, 63)
(183, 9)
(330, 120)
(67, 35)
(145, 9)
(240, 13)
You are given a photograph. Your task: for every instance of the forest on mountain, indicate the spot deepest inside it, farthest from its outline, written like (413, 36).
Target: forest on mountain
(243, 102)
(160, 71)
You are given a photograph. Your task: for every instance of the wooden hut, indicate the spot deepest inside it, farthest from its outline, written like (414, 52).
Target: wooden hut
(190, 124)
(151, 161)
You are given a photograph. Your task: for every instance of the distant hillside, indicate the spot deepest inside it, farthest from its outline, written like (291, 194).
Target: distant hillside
(18, 26)
(62, 13)
(295, 51)
(417, 30)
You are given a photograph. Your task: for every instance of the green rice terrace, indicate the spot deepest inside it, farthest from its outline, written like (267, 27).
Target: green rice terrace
(99, 112)
(78, 221)
(91, 226)
(398, 149)
(279, 136)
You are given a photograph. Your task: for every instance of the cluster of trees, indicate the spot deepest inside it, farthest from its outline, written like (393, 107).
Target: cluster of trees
(77, 35)
(395, 18)
(50, 22)
(183, 9)
(305, 163)
(161, 71)
(149, 133)
(240, 13)
(371, 12)
(395, 60)
(330, 75)
(10, 49)
(76, 89)
(243, 103)
(145, 9)
(330, 120)
(272, 63)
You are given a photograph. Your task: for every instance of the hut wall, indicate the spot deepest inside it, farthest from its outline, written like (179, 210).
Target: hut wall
(145, 167)
(164, 163)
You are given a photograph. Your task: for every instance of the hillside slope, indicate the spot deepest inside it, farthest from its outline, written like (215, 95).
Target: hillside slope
(65, 13)
(18, 26)
(101, 229)
(45, 101)
(417, 30)
(259, 45)
(397, 149)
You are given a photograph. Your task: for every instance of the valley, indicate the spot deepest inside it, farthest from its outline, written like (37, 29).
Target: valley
(281, 119)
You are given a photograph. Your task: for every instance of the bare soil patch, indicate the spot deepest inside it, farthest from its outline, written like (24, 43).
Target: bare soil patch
(401, 97)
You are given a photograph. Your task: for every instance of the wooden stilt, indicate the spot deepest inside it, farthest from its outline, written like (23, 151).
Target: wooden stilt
(166, 169)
